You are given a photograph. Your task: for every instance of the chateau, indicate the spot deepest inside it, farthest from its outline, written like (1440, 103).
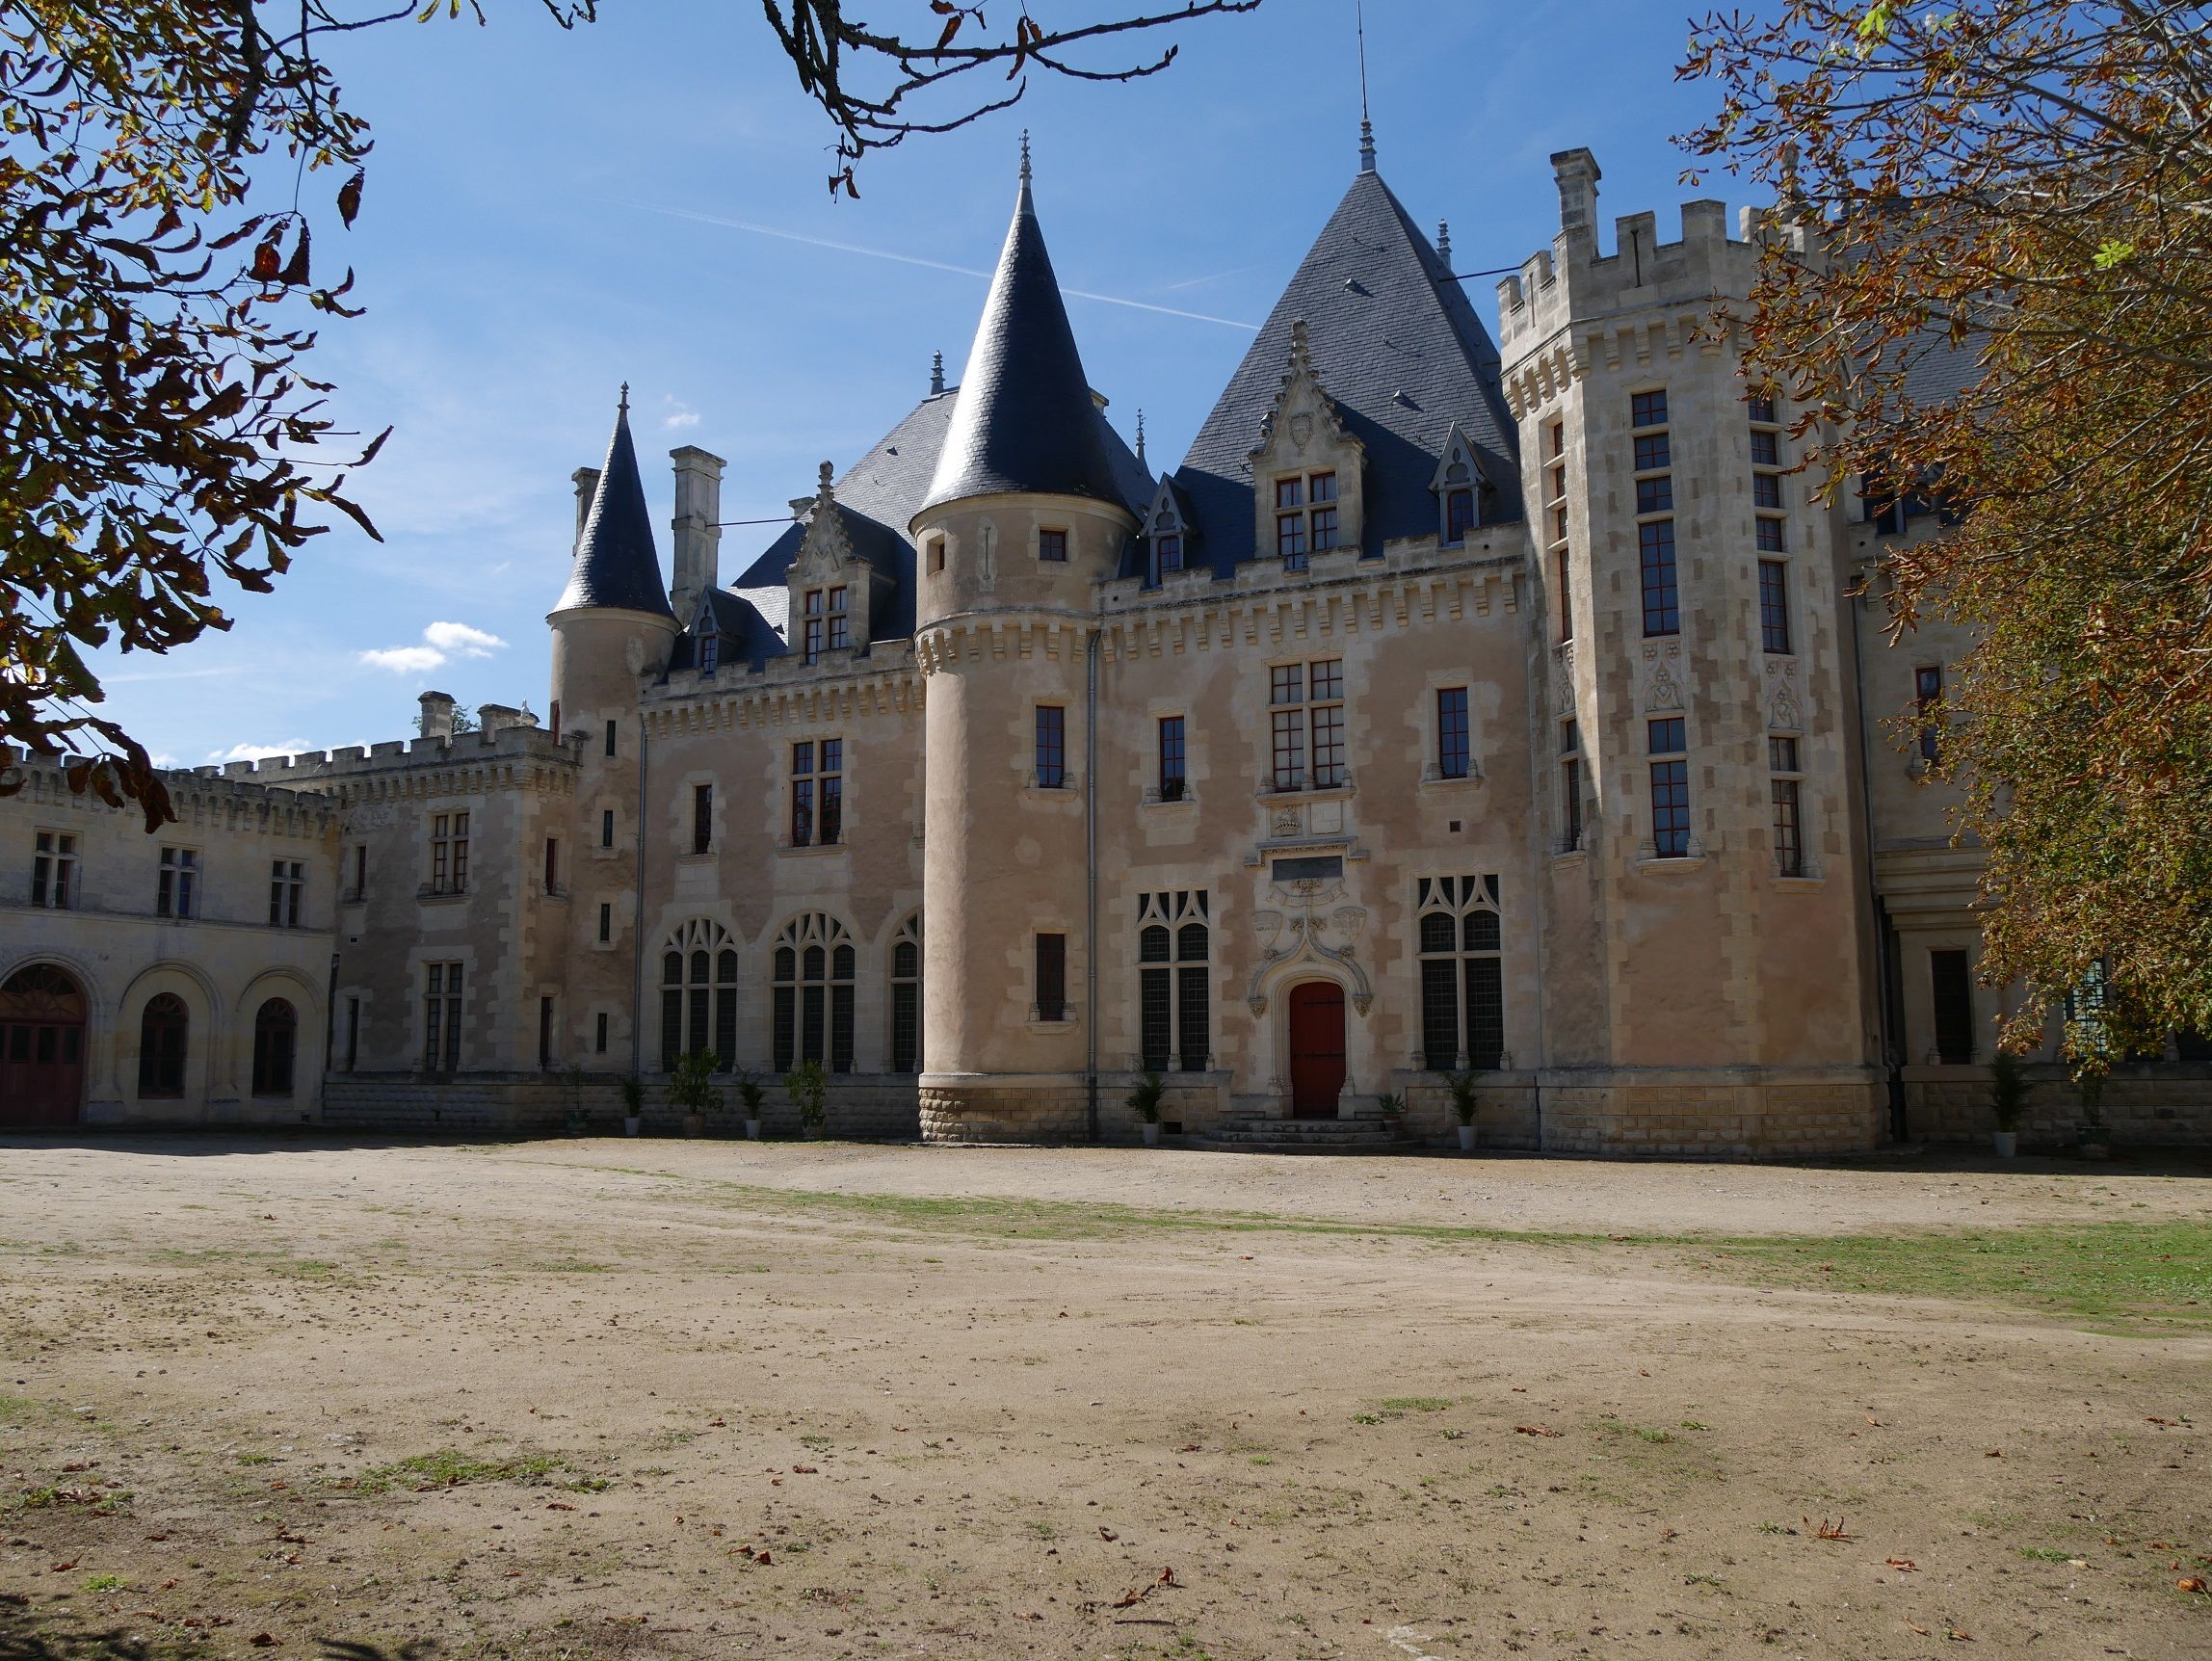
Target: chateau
(1459, 703)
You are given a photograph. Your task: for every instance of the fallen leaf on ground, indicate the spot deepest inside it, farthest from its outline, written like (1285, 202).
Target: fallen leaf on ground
(1138, 1595)
(1902, 1565)
(1535, 1430)
(2194, 1583)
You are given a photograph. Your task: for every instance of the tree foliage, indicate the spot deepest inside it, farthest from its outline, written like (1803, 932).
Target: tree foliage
(2006, 301)
(161, 162)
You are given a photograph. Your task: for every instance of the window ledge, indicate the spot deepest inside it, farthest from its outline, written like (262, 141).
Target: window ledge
(1269, 791)
(1154, 800)
(708, 857)
(1574, 856)
(808, 850)
(1806, 882)
(560, 894)
(1436, 781)
(1070, 786)
(608, 853)
(441, 896)
(1654, 862)
(1037, 1023)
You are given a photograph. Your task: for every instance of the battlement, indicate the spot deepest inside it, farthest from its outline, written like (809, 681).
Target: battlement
(1573, 281)
(199, 795)
(356, 761)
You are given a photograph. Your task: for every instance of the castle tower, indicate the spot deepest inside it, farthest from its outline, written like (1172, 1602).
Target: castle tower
(1708, 956)
(1022, 517)
(612, 627)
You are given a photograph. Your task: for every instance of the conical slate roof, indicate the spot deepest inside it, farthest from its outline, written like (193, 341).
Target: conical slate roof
(1025, 421)
(616, 565)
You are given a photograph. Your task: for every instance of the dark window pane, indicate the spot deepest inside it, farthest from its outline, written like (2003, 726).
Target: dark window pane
(672, 1028)
(1152, 944)
(1191, 943)
(1656, 543)
(1774, 605)
(1154, 1041)
(1485, 1012)
(1647, 408)
(1952, 985)
(1439, 1013)
(785, 1011)
(1655, 495)
(1480, 932)
(811, 1018)
(1653, 452)
(1436, 932)
(906, 1026)
(725, 1028)
(1051, 745)
(1452, 752)
(1051, 977)
(841, 1028)
(1766, 450)
(1459, 515)
(1671, 809)
(906, 961)
(1193, 1015)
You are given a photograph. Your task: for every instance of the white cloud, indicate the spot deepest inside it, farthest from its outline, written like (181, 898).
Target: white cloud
(443, 642)
(459, 640)
(404, 659)
(679, 417)
(260, 752)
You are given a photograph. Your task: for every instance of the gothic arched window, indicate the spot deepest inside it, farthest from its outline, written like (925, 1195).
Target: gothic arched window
(698, 995)
(907, 996)
(1174, 1019)
(1462, 975)
(813, 994)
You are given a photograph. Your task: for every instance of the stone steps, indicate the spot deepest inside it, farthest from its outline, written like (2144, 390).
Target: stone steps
(1303, 1136)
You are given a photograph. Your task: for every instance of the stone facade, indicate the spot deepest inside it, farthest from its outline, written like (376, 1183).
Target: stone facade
(1366, 746)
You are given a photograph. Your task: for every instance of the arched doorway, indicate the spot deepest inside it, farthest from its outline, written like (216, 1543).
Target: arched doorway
(275, 1038)
(1316, 1015)
(42, 1048)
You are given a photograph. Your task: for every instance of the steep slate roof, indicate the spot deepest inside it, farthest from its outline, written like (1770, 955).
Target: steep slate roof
(1398, 349)
(879, 494)
(1024, 420)
(617, 565)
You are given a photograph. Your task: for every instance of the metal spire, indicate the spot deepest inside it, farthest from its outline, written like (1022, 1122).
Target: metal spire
(1366, 126)
(1025, 155)
(1445, 243)
(1141, 440)
(937, 373)
(625, 404)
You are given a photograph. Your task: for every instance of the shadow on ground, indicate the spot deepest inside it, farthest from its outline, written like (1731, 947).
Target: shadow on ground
(27, 1637)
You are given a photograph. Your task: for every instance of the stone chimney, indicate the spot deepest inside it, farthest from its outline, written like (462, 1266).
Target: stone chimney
(436, 715)
(1577, 174)
(493, 718)
(698, 540)
(587, 482)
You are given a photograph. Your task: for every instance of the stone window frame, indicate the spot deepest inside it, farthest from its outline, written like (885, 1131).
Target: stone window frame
(1184, 978)
(1458, 897)
(788, 834)
(55, 866)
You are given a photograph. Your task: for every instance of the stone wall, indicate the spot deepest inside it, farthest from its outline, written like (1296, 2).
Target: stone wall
(868, 1109)
(2171, 1107)
(1054, 1109)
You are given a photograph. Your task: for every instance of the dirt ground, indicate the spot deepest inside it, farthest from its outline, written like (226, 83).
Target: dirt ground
(592, 1398)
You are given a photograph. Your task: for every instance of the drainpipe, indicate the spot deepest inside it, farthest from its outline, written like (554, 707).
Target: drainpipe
(1884, 989)
(329, 1030)
(638, 930)
(1091, 886)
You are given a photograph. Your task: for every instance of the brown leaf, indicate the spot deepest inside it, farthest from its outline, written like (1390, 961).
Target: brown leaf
(2194, 1583)
(350, 196)
(1535, 1430)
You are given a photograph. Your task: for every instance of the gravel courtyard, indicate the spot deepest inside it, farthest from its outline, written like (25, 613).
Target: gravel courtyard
(584, 1398)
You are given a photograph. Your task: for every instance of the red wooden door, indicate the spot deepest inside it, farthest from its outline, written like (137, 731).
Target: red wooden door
(1316, 1049)
(42, 1048)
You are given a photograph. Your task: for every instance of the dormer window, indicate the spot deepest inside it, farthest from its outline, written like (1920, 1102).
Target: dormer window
(1459, 512)
(709, 653)
(1305, 517)
(1459, 484)
(828, 621)
(1169, 551)
(840, 629)
(1166, 537)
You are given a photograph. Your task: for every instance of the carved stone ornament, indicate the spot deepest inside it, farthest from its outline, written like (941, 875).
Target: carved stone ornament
(1312, 937)
(1562, 676)
(1301, 430)
(1288, 822)
(986, 555)
(1662, 689)
(1785, 711)
(373, 816)
(826, 549)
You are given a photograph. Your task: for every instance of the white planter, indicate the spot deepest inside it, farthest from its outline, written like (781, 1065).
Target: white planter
(1467, 1139)
(1152, 1130)
(630, 1124)
(753, 1131)
(2007, 1143)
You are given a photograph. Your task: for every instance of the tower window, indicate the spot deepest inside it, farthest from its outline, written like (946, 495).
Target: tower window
(1052, 547)
(1789, 827)
(606, 827)
(1462, 980)
(449, 853)
(1775, 606)
(606, 923)
(1173, 781)
(1654, 509)
(1051, 982)
(1570, 787)
(1451, 738)
(701, 818)
(1670, 789)
(1662, 602)
(818, 793)
(610, 738)
(1050, 761)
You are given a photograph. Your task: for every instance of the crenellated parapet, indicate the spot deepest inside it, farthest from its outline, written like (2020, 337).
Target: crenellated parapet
(217, 800)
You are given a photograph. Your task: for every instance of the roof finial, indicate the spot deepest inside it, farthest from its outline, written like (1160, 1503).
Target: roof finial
(626, 404)
(1444, 242)
(937, 373)
(1140, 440)
(1025, 155)
(1366, 126)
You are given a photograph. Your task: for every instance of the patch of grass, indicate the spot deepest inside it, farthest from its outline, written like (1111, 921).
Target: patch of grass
(105, 1501)
(256, 1459)
(2108, 1271)
(1261, 1458)
(450, 1468)
(1416, 1404)
(815, 1443)
(2047, 1554)
(103, 1583)
(1366, 1419)
(585, 1484)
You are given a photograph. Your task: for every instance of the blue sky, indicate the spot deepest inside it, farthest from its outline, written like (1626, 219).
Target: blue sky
(549, 214)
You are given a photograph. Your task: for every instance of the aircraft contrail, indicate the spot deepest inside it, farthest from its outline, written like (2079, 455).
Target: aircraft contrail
(937, 265)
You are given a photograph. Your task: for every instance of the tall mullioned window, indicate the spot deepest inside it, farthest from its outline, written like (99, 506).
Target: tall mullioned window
(287, 882)
(1306, 711)
(1927, 708)
(1775, 606)
(54, 870)
(818, 793)
(1555, 520)
(1174, 1000)
(441, 1018)
(1655, 511)
(1462, 973)
(1670, 788)
(811, 1011)
(177, 893)
(698, 995)
(1786, 783)
(1768, 463)
(1569, 786)
(449, 853)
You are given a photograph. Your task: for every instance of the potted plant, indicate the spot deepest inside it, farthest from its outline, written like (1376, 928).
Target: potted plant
(809, 1089)
(633, 1104)
(1463, 1107)
(749, 1092)
(691, 1087)
(1144, 1102)
(1393, 1107)
(2008, 1097)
